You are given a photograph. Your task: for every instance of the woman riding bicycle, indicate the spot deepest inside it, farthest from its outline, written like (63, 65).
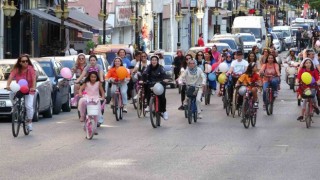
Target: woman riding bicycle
(251, 77)
(23, 69)
(209, 61)
(184, 64)
(307, 66)
(270, 70)
(112, 76)
(155, 73)
(93, 66)
(90, 87)
(194, 76)
(200, 60)
(139, 68)
(78, 69)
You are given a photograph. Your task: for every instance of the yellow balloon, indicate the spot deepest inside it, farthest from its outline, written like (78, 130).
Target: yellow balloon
(306, 78)
(222, 78)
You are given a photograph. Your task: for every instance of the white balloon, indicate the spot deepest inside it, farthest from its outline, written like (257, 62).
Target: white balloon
(242, 90)
(158, 89)
(208, 68)
(15, 87)
(223, 67)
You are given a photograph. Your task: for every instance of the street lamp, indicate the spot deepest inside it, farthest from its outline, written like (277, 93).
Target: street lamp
(178, 18)
(155, 30)
(199, 16)
(216, 13)
(9, 11)
(62, 12)
(134, 21)
(103, 16)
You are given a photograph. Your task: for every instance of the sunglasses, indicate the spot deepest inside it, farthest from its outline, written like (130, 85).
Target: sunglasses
(200, 54)
(82, 58)
(26, 61)
(188, 58)
(191, 63)
(143, 56)
(228, 56)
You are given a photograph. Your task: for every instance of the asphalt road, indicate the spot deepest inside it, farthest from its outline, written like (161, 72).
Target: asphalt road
(216, 147)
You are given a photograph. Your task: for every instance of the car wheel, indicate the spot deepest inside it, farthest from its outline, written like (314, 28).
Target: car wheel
(66, 107)
(57, 104)
(48, 113)
(36, 111)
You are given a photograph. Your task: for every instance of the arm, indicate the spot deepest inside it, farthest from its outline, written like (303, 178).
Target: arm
(101, 91)
(12, 75)
(101, 75)
(299, 76)
(203, 76)
(34, 80)
(81, 89)
(83, 74)
(262, 69)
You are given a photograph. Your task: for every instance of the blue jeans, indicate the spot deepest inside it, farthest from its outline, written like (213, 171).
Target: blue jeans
(274, 84)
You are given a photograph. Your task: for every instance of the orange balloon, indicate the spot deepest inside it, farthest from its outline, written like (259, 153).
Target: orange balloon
(122, 72)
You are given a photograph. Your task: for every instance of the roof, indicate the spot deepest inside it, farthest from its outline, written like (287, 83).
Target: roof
(86, 19)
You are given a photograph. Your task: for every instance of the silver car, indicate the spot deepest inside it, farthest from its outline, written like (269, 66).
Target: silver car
(42, 98)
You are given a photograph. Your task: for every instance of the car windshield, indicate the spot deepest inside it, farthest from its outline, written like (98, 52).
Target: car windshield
(255, 31)
(286, 33)
(279, 34)
(5, 70)
(248, 38)
(230, 42)
(167, 59)
(67, 63)
(274, 36)
(46, 66)
(111, 55)
(220, 48)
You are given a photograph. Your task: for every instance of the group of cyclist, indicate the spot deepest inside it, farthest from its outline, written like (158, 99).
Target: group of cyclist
(257, 70)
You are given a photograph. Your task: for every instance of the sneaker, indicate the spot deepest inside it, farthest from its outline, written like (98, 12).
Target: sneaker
(181, 107)
(165, 116)
(125, 109)
(30, 126)
(300, 118)
(213, 92)
(99, 124)
(275, 94)
(135, 97)
(256, 105)
(147, 109)
(95, 133)
(316, 110)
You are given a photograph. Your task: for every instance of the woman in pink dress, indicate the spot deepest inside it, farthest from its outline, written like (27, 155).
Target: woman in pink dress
(23, 69)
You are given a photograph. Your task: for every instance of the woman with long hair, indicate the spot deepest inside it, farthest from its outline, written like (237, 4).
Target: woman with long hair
(78, 69)
(23, 69)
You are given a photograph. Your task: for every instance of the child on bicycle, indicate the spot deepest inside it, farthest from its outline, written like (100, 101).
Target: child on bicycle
(307, 66)
(92, 87)
(250, 78)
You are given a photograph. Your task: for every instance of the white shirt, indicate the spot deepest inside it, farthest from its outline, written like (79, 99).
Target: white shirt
(70, 51)
(239, 67)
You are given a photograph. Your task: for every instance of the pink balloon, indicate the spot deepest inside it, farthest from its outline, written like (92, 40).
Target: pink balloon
(318, 43)
(66, 73)
(23, 82)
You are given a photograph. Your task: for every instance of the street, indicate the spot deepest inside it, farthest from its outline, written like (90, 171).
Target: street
(216, 147)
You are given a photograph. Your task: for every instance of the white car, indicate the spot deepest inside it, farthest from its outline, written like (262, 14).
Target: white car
(249, 41)
(276, 42)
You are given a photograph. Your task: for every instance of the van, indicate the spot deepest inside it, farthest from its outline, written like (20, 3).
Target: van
(287, 34)
(250, 24)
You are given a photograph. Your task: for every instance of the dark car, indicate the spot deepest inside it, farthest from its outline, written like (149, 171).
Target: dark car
(61, 87)
(42, 98)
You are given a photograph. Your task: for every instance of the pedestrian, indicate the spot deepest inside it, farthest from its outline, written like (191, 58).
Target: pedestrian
(71, 51)
(200, 40)
(23, 69)
(177, 63)
(298, 38)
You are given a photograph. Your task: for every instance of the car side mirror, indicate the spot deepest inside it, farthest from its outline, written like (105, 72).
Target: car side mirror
(41, 78)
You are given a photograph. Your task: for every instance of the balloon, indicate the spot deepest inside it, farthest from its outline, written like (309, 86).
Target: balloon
(307, 92)
(313, 80)
(242, 90)
(15, 87)
(212, 76)
(223, 67)
(158, 89)
(306, 78)
(66, 73)
(122, 72)
(24, 89)
(318, 43)
(23, 82)
(222, 78)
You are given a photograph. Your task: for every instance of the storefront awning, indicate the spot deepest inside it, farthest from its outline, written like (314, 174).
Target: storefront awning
(86, 19)
(85, 33)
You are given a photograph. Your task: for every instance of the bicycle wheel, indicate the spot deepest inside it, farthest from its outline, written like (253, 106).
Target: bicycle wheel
(158, 117)
(23, 120)
(139, 107)
(268, 103)
(186, 111)
(270, 106)
(234, 103)
(227, 99)
(245, 113)
(207, 96)
(15, 120)
(308, 114)
(89, 128)
(153, 113)
(121, 113)
(189, 111)
(254, 118)
(116, 107)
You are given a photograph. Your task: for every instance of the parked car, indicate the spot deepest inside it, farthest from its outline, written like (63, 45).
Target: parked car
(69, 62)
(42, 99)
(61, 88)
(238, 40)
(168, 67)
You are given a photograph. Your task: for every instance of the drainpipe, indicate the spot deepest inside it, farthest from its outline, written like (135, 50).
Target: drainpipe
(1, 30)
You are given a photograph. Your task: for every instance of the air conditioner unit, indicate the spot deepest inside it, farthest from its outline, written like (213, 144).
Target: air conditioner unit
(220, 4)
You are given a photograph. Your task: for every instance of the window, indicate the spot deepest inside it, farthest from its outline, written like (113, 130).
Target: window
(47, 67)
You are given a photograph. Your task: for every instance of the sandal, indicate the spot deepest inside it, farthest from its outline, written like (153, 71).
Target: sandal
(300, 118)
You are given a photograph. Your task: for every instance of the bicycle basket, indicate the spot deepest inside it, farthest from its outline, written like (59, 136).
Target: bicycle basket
(191, 91)
(308, 93)
(93, 109)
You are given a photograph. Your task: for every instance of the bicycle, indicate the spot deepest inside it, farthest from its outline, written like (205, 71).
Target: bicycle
(269, 96)
(18, 116)
(308, 97)
(249, 113)
(190, 110)
(141, 102)
(91, 121)
(155, 114)
(117, 101)
(226, 96)
(235, 107)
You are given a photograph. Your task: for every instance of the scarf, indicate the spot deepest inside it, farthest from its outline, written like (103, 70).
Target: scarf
(193, 71)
